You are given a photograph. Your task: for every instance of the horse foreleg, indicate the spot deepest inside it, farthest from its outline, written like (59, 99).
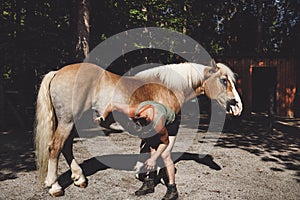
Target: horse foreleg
(60, 136)
(77, 174)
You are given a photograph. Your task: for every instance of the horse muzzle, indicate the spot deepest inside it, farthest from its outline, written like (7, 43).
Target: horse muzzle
(233, 107)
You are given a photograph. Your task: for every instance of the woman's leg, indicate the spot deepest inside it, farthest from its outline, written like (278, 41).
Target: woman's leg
(167, 159)
(172, 193)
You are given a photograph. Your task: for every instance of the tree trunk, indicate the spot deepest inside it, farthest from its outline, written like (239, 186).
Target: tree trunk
(259, 26)
(185, 17)
(82, 21)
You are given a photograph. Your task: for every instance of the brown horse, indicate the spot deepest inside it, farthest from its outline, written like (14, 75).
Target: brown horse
(68, 95)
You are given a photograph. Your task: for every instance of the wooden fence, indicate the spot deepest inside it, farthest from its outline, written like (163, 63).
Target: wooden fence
(287, 81)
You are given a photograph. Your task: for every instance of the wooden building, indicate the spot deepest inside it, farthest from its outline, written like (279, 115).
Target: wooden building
(254, 76)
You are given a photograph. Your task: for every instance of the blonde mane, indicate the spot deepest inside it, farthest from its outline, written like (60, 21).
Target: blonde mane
(176, 76)
(182, 76)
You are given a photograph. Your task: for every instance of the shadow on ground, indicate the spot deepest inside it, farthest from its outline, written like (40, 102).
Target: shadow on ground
(280, 144)
(16, 153)
(116, 161)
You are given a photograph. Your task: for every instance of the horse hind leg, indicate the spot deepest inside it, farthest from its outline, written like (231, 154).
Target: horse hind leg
(60, 136)
(77, 173)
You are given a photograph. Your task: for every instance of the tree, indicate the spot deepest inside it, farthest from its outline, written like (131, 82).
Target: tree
(82, 21)
(259, 7)
(38, 36)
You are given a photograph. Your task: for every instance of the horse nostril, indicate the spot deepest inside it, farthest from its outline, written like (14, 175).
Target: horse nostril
(231, 102)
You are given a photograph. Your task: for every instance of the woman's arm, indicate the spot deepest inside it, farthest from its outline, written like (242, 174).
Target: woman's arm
(151, 162)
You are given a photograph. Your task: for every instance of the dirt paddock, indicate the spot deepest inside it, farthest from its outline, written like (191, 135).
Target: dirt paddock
(248, 162)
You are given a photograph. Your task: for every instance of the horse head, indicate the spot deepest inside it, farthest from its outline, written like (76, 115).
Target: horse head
(219, 85)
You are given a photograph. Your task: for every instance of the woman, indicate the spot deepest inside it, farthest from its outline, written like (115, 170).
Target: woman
(162, 120)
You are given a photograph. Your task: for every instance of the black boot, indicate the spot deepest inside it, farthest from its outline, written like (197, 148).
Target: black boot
(147, 187)
(172, 193)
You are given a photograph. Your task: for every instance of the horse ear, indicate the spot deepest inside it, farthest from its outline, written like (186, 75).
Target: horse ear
(213, 63)
(214, 67)
(208, 72)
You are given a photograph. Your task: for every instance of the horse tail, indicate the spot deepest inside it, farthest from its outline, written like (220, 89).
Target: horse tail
(44, 126)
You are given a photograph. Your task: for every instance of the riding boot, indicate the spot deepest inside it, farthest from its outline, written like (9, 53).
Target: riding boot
(172, 193)
(147, 187)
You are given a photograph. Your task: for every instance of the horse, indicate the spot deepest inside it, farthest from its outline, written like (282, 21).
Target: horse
(77, 90)
(185, 77)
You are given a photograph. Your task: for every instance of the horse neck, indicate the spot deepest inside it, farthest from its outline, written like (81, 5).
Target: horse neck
(193, 94)
(180, 97)
(191, 74)
(195, 81)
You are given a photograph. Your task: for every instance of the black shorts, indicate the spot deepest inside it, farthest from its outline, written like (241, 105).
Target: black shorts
(174, 126)
(154, 141)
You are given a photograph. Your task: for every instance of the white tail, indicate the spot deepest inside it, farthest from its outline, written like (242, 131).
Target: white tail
(44, 125)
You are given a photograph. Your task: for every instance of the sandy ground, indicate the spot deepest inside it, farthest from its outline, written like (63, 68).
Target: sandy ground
(248, 162)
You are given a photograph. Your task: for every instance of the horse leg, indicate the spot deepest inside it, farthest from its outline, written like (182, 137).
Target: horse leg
(60, 136)
(77, 174)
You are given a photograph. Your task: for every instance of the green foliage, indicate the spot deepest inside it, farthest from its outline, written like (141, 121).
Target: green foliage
(38, 36)
(33, 34)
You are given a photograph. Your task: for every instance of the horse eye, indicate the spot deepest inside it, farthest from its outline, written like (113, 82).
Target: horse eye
(236, 76)
(224, 81)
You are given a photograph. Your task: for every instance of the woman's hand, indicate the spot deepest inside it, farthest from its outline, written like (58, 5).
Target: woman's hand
(150, 164)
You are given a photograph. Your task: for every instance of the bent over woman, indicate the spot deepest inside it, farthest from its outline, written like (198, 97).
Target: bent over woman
(161, 119)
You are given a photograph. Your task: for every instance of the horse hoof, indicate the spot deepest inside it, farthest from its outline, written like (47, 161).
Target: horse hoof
(82, 185)
(57, 194)
(56, 191)
(81, 182)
